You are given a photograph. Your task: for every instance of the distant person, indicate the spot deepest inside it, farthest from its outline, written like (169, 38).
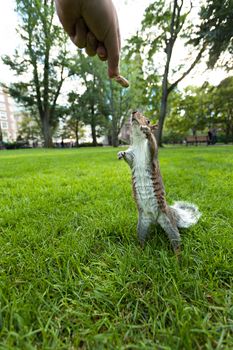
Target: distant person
(93, 25)
(210, 135)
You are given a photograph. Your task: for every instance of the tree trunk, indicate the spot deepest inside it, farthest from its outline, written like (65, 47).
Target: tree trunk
(77, 140)
(93, 127)
(114, 132)
(162, 114)
(93, 134)
(1, 137)
(227, 135)
(76, 135)
(115, 141)
(169, 48)
(48, 143)
(109, 138)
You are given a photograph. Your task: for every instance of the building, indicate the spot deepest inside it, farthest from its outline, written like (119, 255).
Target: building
(9, 121)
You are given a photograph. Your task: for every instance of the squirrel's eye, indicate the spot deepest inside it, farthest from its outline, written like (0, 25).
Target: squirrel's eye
(148, 122)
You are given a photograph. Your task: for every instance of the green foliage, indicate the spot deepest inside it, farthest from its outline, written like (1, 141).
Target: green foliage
(73, 275)
(76, 114)
(145, 90)
(103, 104)
(223, 104)
(193, 110)
(216, 29)
(163, 22)
(203, 108)
(29, 128)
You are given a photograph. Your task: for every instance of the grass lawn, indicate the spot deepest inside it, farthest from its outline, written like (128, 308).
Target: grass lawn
(72, 274)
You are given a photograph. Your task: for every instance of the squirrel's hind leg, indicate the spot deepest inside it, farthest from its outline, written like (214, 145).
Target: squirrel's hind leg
(171, 231)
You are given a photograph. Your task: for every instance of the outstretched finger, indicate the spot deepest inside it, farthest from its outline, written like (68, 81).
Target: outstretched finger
(112, 44)
(112, 47)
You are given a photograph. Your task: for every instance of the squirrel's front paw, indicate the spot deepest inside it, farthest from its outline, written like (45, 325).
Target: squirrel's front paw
(145, 129)
(120, 155)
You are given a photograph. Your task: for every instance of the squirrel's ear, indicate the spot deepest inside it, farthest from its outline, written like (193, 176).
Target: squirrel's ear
(154, 127)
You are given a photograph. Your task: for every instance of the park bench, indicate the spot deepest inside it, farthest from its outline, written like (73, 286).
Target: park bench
(196, 139)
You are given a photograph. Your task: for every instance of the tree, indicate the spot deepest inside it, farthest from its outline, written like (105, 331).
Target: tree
(75, 123)
(192, 110)
(1, 136)
(43, 65)
(91, 103)
(29, 129)
(216, 29)
(223, 104)
(201, 108)
(165, 22)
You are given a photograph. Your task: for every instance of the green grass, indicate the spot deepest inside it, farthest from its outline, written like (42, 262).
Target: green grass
(72, 274)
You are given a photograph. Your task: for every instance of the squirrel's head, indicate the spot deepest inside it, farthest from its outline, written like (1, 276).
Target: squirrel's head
(138, 120)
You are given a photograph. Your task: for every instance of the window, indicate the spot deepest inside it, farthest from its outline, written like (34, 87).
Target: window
(3, 115)
(4, 125)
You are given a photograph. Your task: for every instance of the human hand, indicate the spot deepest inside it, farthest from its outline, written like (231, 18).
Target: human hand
(93, 24)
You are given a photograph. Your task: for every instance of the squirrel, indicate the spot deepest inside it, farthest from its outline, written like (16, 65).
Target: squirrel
(148, 188)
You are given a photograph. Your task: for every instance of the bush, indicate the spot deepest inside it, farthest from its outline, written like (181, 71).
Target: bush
(89, 144)
(16, 145)
(173, 138)
(223, 139)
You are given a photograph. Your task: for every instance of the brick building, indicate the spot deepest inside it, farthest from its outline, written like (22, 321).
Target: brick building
(9, 120)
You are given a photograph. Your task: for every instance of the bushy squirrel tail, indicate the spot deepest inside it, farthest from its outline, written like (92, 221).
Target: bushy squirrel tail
(186, 214)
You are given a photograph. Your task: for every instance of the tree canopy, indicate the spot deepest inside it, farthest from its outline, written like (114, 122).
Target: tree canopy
(43, 64)
(216, 30)
(165, 23)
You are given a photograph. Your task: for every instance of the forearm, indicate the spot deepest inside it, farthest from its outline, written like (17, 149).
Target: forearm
(128, 156)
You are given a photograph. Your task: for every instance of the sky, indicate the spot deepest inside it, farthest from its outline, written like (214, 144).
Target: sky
(130, 14)
(8, 40)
